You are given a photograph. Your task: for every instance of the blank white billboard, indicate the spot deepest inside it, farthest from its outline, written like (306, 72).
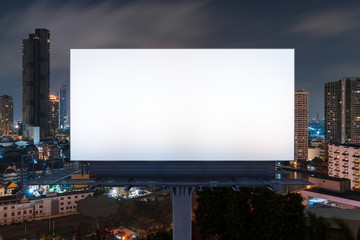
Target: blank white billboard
(182, 104)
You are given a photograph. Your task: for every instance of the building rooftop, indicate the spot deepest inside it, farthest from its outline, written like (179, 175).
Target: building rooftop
(347, 195)
(59, 194)
(327, 177)
(346, 145)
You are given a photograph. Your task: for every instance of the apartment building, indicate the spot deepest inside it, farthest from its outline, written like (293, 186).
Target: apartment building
(344, 163)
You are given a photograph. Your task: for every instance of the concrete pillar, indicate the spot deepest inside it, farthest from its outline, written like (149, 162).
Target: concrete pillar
(182, 202)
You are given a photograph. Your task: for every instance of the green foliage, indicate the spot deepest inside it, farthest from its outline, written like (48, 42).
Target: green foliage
(160, 235)
(142, 214)
(252, 213)
(82, 230)
(98, 206)
(66, 233)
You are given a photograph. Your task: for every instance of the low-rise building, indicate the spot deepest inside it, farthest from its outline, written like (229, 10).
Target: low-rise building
(330, 192)
(68, 164)
(8, 173)
(36, 209)
(321, 198)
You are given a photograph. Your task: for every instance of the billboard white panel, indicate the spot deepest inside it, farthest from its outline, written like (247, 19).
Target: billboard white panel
(182, 104)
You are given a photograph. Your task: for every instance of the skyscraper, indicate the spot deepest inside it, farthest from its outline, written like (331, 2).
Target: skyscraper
(6, 115)
(53, 114)
(63, 113)
(342, 111)
(36, 80)
(301, 125)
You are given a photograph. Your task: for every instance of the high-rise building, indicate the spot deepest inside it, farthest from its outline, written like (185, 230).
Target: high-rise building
(63, 118)
(6, 115)
(36, 80)
(53, 114)
(342, 111)
(301, 125)
(20, 128)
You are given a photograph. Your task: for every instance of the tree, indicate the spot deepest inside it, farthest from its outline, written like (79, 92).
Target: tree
(252, 213)
(160, 235)
(98, 206)
(319, 227)
(82, 230)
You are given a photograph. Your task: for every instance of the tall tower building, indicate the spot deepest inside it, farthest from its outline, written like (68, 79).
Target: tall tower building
(301, 125)
(342, 111)
(63, 118)
(53, 115)
(6, 115)
(36, 80)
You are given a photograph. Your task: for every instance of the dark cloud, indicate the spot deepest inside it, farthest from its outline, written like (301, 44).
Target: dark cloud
(324, 34)
(102, 25)
(328, 23)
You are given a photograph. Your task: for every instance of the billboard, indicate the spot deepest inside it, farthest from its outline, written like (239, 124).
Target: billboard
(182, 104)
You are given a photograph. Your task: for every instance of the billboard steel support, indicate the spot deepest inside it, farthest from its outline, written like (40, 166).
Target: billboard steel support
(182, 214)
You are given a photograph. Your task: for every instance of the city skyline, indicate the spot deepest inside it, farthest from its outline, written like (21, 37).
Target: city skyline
(315, 30)
(238, 107)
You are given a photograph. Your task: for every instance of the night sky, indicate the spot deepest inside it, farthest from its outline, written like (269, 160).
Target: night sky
(325, 34)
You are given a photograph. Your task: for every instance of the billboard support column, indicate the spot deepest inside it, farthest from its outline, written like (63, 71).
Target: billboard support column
(182, 214)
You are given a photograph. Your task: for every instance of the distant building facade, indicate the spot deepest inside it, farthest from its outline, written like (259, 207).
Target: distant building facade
(316, 152)
(53, 115)
(344, 163)
(20, 128)
(6, 115)
(301, 125)
(63, 117)
(342, 111)
(36, 80)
